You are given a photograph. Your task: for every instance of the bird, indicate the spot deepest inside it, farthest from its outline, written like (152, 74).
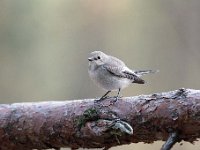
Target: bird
(112, 74)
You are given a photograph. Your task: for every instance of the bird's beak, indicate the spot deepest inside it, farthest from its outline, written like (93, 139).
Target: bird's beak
(90, 59)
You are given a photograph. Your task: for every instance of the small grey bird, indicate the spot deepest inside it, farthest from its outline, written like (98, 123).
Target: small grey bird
(112, 74)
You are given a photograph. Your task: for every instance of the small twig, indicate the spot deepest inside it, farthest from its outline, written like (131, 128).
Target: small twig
(171, 141)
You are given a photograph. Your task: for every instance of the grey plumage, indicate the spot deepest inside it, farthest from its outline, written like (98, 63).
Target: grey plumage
(110, 73)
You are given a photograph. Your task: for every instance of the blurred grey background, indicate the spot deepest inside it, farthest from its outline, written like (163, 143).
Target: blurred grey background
(44, 46)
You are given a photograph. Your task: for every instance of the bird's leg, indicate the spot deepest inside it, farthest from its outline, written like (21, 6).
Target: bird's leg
(117, 97)
(104, 96)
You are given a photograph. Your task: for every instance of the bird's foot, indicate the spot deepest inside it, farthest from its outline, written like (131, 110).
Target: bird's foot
(98, 101)
(101, 99)
(115, 99)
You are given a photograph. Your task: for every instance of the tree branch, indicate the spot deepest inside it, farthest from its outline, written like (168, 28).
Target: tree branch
(86, 124)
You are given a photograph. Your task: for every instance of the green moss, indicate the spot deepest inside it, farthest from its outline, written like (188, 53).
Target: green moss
(90, 114)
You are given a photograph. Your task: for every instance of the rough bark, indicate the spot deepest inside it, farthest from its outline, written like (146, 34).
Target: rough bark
(89, 124)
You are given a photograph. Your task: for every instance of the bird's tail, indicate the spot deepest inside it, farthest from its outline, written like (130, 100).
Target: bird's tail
(138, 80)
(143, 72)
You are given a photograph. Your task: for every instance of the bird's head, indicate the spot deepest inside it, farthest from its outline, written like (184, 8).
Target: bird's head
(97, 57)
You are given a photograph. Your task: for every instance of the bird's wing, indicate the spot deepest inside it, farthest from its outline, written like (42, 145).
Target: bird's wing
(123, 72)
(114, 70)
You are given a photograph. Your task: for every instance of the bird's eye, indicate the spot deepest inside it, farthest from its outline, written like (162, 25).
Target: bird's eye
(99, 57)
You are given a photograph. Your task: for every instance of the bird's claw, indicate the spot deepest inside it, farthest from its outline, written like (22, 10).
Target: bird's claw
(101, 99)
(116, 98)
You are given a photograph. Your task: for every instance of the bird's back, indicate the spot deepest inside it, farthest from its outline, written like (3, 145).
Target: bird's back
(115, 62)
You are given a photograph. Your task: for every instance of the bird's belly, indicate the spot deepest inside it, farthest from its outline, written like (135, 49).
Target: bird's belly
(108, 81)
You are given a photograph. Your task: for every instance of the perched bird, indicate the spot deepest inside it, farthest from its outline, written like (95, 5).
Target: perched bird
(112, 74)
